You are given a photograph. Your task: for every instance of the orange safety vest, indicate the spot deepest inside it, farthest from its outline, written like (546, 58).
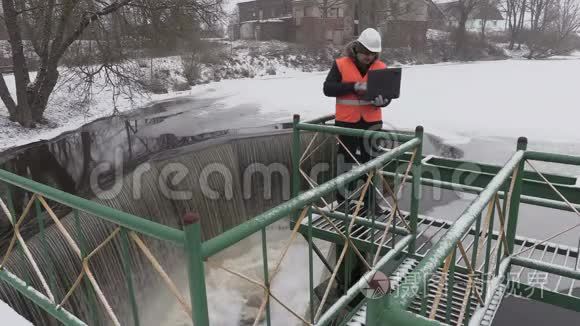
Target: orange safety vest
(349, 108)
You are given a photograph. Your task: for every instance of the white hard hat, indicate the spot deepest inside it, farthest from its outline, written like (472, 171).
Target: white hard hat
(371, 39)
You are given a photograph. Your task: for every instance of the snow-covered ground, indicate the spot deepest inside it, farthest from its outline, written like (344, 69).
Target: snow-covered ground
(237, 59)
(64, 114)
(538, 99)
(456, 101)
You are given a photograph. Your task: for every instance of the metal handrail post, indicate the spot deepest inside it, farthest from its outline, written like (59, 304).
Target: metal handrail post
(514, 200)
(195, 267)
(416, 188)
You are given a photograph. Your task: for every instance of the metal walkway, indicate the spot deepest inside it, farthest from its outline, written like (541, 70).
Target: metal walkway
(399, 277)
(359, 318)
(430, 230)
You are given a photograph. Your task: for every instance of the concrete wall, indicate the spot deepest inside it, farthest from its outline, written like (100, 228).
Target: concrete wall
(312, 28)
(264, 31)
(273, 31)
(247, 31)
(264, 9)
(248, 11)
(316, 30)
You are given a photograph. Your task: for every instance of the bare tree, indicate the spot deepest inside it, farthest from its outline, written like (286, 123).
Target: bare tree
(396, 9)
(326, 5)
(487, 9)
(552, 25)
(568, 21)
(515, 12)
(52, 27)
(543, 15)
(463, 11)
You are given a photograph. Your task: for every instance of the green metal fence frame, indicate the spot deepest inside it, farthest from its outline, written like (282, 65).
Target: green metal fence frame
(127, 222)
(398, 302)
(190, 237)
(300, 200)
(391, 309)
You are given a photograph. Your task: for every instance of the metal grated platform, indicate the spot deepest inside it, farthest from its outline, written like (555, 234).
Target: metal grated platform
(457, 297)
(359, 318)
(491, 311)
(430, 230)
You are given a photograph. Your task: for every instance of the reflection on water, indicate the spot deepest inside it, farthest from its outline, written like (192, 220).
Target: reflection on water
(116, 145)
(126, 141)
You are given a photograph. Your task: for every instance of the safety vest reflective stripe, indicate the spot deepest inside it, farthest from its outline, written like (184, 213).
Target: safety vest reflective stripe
(349, 107)
(352, 102)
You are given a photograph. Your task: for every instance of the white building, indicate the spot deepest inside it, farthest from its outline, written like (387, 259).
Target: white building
(489, 15)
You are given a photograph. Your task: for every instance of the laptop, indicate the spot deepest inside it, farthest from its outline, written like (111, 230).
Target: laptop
(385, 82)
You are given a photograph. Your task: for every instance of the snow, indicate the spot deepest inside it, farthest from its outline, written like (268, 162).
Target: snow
(10, 317)
(437, 35)
(66, 113)
(458, 102)
(454, 101)
(269, 20)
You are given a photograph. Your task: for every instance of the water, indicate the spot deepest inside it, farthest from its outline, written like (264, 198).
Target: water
(110, 148)
(139, 178)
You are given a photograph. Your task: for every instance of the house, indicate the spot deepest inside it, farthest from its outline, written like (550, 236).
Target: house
(407, 25)
(323, 21)
(303, 21)
(403, 23)
(488, 15)
(264, 20)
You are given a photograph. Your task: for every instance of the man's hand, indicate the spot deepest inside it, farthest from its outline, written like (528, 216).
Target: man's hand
(379, 101)
(360, 88)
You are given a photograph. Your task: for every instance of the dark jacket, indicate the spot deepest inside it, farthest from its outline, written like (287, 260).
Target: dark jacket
(333, 86)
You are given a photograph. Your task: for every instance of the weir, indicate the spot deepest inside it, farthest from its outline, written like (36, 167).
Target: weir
(140, 235)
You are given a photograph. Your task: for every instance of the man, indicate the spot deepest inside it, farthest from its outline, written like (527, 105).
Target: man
(347, 81)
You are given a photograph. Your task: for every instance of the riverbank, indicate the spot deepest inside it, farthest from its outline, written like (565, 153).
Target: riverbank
(162, 78)
(261, 74)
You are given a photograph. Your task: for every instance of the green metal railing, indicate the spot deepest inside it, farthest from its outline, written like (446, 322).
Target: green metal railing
(558, 299)
(379, 310)
(127, 223)
(190, 238)
(511, 183)
(410, 142)
(304, 199)
(562, 194)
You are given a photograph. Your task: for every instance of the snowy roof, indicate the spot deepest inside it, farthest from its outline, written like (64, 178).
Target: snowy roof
(270, 20)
